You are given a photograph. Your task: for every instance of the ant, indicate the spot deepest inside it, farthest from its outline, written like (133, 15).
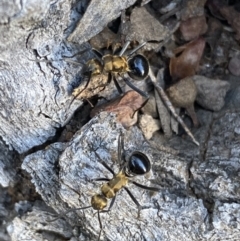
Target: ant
(137, 164)
(116, 66)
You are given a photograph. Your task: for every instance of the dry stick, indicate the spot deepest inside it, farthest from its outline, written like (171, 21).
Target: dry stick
(168, 103)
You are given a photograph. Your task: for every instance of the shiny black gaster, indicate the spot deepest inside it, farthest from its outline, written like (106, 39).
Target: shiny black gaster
(139, 67)
(138, 164)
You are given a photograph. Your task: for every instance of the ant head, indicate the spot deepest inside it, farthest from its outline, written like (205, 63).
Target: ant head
(138, 164)
(139, 67)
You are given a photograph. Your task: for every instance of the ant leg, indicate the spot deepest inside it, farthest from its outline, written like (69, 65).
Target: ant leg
(86, 85)
(101, 179)
(121, 152)
(72, 61)
(144, 103)
(124, 77)
(136, 49)
(100, 224)
(134, 200)
(105, 164)
(117, 85)
(98, 54)
(124, 48)
(68, 211)
(154, 189)
(110, 206)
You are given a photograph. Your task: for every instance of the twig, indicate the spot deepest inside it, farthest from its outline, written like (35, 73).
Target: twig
(169, 105)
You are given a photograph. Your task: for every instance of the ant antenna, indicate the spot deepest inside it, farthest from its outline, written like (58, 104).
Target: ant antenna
(68, 211)
(72, 61)
(136, 49)
(100, 224)
(125, 79)
(132, 51)
(75, 209)
(125, 46)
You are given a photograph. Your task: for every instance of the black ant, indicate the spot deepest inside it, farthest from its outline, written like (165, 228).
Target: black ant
(138, 164)
(115, 66)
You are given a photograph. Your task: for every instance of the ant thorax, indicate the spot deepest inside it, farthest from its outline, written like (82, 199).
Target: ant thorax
(119, 181)
(115, 64)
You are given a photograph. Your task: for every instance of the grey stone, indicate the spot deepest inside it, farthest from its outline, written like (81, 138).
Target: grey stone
(211, 92)
(97, 16)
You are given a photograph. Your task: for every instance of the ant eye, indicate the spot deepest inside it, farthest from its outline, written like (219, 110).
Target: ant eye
(138, 164)
(139, 67)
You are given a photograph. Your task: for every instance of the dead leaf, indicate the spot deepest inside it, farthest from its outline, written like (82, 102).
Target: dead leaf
(187, 63)
(193, 9)
(193, 27)
(149, 125)
(125, 107)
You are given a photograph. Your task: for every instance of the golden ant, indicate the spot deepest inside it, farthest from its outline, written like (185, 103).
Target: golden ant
(137, 164)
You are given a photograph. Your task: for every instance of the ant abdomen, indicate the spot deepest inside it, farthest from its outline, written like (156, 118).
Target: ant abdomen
(138, 164)
(139, 67)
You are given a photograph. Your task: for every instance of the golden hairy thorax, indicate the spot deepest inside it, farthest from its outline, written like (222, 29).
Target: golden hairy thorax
(115, 64)
(110, 188)
(111, 63)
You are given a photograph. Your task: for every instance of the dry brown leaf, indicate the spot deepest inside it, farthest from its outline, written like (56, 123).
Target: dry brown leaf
(193, 27)
(125, 107)
(187, 63)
